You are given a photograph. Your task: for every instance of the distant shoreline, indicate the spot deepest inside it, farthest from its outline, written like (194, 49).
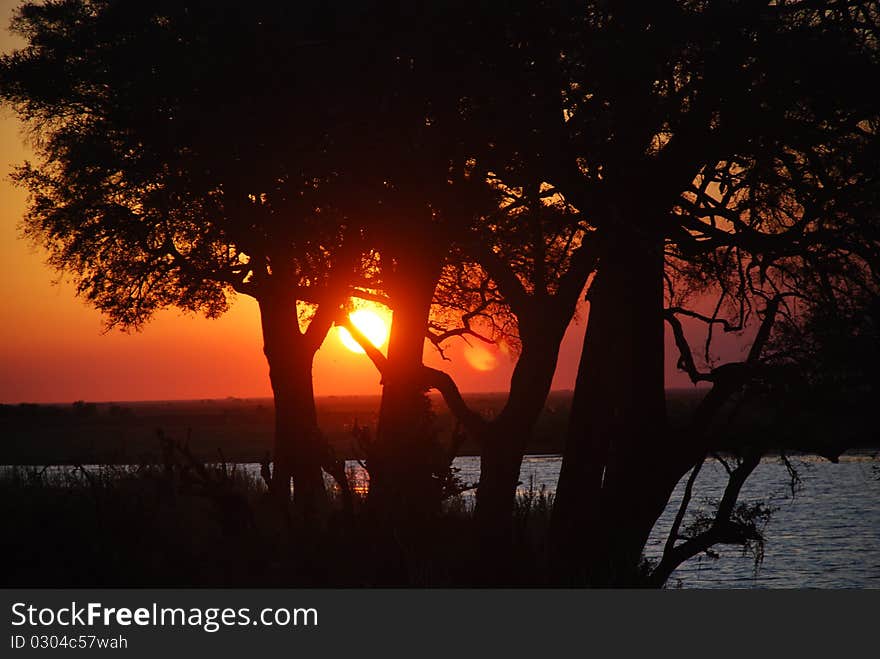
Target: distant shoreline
(268, 399)
(241, 430)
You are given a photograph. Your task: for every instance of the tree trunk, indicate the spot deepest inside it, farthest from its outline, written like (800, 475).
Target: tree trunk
(607, 499)
(299, 446)
(504, 443)
(404, 456)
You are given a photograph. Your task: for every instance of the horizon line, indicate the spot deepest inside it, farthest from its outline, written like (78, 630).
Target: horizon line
(270, 398)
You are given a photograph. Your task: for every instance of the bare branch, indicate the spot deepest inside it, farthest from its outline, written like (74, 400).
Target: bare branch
(682, 508)
(722, 530)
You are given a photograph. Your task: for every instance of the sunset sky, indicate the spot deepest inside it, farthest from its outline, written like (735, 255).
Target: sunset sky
(53, 348)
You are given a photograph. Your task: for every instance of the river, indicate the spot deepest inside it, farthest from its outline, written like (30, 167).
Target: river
(825, 535)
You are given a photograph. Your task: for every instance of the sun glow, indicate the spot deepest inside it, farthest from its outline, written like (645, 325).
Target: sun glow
(480, 358)
(371, 325)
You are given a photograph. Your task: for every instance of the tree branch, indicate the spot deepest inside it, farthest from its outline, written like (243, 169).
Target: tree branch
(432, 378)
(682, 508)
(379, 360)
(722, 530)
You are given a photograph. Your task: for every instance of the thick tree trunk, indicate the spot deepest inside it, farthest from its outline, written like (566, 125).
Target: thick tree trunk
(403, 459)
(607, 499)
(299, 446)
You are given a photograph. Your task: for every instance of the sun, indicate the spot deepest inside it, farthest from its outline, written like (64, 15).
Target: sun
(480, 358)
(370, 324)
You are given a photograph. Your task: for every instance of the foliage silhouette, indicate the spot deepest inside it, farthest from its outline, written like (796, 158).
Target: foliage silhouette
(705, 166)
(179, 166)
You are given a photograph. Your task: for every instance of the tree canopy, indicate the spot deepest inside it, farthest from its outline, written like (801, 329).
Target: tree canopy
(698, 167)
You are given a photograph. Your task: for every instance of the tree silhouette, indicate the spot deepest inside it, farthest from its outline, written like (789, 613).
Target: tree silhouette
(645, 122)
(690, 131)
(178, 165)
(707, 164)
(418, 188)
(521, 273)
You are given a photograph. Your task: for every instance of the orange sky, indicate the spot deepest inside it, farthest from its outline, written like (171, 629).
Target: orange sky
(52, 348)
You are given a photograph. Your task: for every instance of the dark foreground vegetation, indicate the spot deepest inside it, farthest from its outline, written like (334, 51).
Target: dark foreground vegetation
(187, 525)
(179, 522)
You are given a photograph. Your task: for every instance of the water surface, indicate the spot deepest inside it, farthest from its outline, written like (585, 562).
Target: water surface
(826, 535)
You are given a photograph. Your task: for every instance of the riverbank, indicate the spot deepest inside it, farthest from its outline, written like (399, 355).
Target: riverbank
(232, 429)
(241, 430)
